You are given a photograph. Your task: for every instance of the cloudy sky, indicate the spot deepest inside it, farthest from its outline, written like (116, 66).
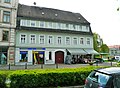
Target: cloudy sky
(102, 14)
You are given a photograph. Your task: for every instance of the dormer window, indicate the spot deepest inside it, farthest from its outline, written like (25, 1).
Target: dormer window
(43, 13)
(79, 18)
(56, 15)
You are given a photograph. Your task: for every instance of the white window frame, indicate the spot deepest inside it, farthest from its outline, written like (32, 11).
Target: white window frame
(32, 40)
(75, 40)
(23, 22)
(59, 40)
(34, 22)
(66, 40)
(6, 16)
(50, 40)
(88, 41)
(81, 41)
(42, 41)
(41, 24)
(24, 40)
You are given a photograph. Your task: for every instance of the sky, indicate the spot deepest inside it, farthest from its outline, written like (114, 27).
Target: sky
(102, 14)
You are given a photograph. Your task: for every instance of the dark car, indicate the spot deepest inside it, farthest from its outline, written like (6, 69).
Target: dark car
(104, 78)
(99, 60)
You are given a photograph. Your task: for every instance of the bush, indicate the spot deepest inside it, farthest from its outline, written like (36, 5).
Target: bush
(45, 77)
(3, 77)
(49, 78)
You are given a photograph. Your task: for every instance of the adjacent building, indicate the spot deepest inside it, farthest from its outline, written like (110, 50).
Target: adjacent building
(48, 36)
(114, 50)
(8, 13)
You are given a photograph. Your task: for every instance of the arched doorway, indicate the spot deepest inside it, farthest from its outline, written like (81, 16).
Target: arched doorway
(59, 57)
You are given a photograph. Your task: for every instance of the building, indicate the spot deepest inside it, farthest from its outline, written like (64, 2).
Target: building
(8, 13)
(114, 50)
(48, 36)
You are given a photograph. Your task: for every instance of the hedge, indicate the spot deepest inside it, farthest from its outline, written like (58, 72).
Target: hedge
(45, 77)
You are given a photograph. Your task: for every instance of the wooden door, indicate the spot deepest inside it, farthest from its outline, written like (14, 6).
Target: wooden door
(59, 57)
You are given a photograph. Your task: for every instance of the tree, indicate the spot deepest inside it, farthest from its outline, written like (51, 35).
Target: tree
(104, 48)
(96, 42)
(99, 46)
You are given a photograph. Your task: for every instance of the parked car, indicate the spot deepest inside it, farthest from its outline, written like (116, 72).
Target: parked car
(104, 78)
(99, 60)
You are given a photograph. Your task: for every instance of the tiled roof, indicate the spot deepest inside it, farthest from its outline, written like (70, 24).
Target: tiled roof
(114, 46)
(50, 14)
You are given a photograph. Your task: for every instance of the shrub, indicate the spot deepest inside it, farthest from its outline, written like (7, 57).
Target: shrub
(49, 78)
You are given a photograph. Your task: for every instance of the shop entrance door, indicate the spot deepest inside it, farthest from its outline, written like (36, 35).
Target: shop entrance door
(59, 57)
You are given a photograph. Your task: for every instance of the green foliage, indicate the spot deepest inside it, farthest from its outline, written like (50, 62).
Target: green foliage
(46, 77)
(2, 80)
(104, 48)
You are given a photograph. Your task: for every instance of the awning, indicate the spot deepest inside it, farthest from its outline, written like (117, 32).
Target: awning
(91, 51)
(76, 51)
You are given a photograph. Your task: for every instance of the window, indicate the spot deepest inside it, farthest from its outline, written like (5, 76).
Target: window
(50, 55)
(75, 41)
(100, 78)
(6, 16)
(50, 39)
(59, 40)
(81, 41)
(0, 15)
(41, 24)
(7, 1)
(23, 23)
(23, 56)
(5, 35)
(50, 24)
(42, 39)
(32, 39)
(33, 23)
(23, 39)
(88, 41)
(67, 40)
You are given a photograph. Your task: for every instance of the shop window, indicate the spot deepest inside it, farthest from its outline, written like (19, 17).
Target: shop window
(6, 17)
(3, 58)
(5, 35)
(23, 56)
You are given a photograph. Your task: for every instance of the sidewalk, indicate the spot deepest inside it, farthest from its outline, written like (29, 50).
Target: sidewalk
(50, 66)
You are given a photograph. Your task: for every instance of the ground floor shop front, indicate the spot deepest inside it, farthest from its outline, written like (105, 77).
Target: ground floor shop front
(7, 55)
(33, 56)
